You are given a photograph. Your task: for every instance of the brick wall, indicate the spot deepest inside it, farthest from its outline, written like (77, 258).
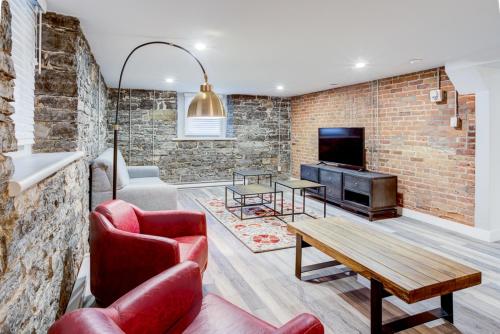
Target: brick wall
(409, 136)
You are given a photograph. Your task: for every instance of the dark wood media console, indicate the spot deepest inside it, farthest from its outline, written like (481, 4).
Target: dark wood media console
(368, 193)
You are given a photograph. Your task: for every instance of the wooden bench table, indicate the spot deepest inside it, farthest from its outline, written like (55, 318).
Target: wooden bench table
(393, 266)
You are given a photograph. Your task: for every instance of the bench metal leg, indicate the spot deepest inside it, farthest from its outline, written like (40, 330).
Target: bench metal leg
(376, 297)
(298, 257)
(378, 293)
(447, 306)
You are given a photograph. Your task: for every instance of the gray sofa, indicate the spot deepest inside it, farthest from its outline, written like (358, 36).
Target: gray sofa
(139, 185)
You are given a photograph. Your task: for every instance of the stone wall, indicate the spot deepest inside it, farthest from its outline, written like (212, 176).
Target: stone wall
(70, 94)
(45, 250)
(7, 136)
(409, 136)
(257, 124)
(44, 231)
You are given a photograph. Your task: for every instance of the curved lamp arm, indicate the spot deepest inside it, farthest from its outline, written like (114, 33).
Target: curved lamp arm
(115, 127)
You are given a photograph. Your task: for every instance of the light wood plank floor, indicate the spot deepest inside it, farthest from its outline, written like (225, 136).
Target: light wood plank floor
(264, 284)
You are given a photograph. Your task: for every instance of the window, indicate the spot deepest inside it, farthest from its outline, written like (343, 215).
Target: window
(24, 42)
(198, 127)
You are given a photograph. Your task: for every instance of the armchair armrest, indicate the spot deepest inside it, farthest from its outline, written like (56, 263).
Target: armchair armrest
(173, 223)
(121, 257)
(302, 324)
(162, 301)
(86, 320)
(143, 171)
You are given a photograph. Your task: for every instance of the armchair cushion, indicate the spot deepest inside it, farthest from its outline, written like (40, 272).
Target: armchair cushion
(220, 316)
(302, 324)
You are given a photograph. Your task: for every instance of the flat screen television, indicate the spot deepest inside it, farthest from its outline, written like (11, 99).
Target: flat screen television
(342, 146)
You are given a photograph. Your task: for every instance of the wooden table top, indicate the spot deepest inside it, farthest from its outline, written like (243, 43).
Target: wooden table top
(299, 184)
(407, 271)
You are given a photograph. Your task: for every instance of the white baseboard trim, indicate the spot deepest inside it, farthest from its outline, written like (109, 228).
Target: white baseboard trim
(473, 232)
(205, 184)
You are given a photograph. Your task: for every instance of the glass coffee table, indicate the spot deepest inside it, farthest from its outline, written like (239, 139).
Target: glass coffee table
(301, 185)
(253, 195)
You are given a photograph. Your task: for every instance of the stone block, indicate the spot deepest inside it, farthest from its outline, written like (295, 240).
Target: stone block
(56, 83)
(6, 66)
(7, 90)
(5, 29)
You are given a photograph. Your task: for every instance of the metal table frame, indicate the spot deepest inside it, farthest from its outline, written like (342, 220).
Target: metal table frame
(250, 173)
(303, 194)
(241, 200)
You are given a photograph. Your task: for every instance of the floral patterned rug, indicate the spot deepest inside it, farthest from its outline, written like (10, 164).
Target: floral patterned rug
(260, 234)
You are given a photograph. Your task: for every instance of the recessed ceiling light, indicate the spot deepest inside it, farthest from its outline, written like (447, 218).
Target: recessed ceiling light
(200, 46)
(280, 87)
(334, 84)
(169, 80)
(415, 60)
(361, 64)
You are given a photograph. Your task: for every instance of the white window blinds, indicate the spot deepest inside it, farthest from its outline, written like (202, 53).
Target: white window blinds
(24, 38)
(202, 127)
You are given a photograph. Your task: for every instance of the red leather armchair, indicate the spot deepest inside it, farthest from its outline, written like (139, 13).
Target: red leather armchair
(128, 246)
(172, 302)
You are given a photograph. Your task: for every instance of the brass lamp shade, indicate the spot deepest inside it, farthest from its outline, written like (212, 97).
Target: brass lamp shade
(206, 104)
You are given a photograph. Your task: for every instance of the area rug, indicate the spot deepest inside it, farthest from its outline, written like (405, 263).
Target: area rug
(260, 234)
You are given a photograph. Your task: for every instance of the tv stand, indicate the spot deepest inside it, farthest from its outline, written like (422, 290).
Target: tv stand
(369, 193)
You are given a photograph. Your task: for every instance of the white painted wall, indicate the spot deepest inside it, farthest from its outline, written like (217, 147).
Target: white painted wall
(483, 79)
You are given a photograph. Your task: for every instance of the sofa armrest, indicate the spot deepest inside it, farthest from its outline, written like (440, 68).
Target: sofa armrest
(150, 196)
(143, 171)
(170, 297)
(121, 260)
(174, 223)
(302, 324)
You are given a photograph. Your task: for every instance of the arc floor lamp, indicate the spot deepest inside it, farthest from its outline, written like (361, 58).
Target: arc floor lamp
(205, 104)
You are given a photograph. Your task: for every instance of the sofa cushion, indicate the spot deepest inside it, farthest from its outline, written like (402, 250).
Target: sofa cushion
(104, 162)
(120, 214)
(219, 316)
(193, 248)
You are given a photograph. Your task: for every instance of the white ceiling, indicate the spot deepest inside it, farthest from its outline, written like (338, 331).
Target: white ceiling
(304, 45)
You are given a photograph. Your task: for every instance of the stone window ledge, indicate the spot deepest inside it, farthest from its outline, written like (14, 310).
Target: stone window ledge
(34, 168)
(203, 139)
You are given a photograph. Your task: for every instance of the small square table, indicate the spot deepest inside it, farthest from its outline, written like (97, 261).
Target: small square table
(301, 185)
(253, 191)
(253, 172)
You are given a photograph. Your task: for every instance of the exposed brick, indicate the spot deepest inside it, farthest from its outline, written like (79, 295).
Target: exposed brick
(410, 137)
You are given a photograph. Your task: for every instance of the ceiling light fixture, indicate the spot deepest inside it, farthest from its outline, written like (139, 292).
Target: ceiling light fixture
(280, 87)
(169, 80)
(200, 46)
(360, 65)
(415, 60)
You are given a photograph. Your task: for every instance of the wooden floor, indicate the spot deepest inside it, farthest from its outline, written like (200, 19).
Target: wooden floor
(264, 284)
